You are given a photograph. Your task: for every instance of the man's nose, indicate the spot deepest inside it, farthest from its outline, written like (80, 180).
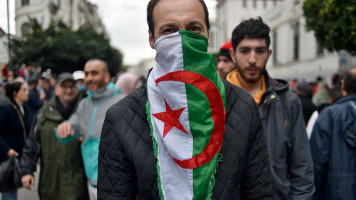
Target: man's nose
(88, 77)
(252, 57)
(220, 65)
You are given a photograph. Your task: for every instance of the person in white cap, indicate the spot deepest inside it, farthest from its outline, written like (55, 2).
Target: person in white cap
(79, 78)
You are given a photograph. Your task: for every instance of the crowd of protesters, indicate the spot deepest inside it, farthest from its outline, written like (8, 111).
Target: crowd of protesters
(317, 95)
(242, 135)
(33, 102)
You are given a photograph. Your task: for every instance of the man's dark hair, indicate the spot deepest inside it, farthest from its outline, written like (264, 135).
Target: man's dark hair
(350, 81)
(251, 29)
(105, 65)
(335, 94)
(32, 81)
(151, 5)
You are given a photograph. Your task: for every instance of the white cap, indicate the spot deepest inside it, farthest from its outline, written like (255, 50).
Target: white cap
(78, 75)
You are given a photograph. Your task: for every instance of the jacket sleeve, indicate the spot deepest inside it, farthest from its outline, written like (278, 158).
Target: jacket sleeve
(4, 147)
(74, 120)
(320, 150)
(257, 183)
(300, 163)
(117, 176)
(31, 150)
(34, 102)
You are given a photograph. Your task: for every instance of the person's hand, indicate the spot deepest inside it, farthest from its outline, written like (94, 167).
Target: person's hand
(27, 181)
(12, 153)
(81, 140)
(64, 129)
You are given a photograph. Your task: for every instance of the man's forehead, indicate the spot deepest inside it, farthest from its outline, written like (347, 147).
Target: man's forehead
(93, 66)
(253, 42)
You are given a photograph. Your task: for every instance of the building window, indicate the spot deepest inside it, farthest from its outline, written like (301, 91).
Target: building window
(254, 3)
(244, 3)
(319, 49)
(265, 3)
(296, 40)
(274, 46)
(25, 2)
(25, 29)
(275, 2)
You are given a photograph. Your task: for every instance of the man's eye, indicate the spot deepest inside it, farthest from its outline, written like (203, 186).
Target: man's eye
(194, 29)
(244, 51)
(261, 51)
(168, 30)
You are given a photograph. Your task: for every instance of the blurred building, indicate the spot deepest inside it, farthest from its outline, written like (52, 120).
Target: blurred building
(4, 53)
(142, 67)
(229, 13)
(74, 13)
(295, 51)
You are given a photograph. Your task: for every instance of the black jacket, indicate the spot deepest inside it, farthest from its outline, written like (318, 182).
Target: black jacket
(14, 128)
(287, 141)
(127, 166)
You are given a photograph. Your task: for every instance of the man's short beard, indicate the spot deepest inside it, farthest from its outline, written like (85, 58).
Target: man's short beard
(249, 80)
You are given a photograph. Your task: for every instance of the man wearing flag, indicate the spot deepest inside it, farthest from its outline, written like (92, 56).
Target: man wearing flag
(187, 134)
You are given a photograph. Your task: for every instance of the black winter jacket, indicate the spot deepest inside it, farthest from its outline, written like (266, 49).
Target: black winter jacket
(127, 166)
(14, 128)
(287, 142)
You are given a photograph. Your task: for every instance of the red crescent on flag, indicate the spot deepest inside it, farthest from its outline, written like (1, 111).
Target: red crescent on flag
(217, 110)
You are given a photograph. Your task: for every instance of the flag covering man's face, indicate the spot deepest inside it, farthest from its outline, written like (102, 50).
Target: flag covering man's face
(171, 16)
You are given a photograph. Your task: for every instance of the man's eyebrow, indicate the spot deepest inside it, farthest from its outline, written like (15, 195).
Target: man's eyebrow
(248, 47)
(168, 25)
(196, 23)
(244, 47)
(91, 71)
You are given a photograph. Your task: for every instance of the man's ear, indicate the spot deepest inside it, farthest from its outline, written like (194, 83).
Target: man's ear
(343, 90)
(269, 53)
(56, 90)
(151, 39)
(107, 77)
(232, 55)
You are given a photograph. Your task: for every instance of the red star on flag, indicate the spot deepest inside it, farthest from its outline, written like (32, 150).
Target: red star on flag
(170, 119)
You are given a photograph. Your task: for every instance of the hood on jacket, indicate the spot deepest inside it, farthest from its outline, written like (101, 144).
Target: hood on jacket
(278, 85)
(349, 129)
(110, 91)
(350, 134)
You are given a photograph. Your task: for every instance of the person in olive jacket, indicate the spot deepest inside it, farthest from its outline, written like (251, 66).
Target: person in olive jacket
(62, 173)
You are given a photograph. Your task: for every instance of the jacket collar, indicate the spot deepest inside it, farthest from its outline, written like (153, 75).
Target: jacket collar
(110, 91)
(350, 97)
(50, 111)
(277, 85)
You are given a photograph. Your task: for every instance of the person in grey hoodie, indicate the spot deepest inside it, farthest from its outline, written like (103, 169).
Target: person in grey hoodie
(87, 121)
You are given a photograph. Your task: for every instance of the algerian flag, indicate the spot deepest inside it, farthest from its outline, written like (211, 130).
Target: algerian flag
(186, 112)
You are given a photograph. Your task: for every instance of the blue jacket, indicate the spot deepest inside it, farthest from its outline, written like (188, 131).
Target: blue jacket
(333, 147)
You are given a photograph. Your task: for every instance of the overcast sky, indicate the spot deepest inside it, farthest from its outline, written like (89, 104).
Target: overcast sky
(125, 22)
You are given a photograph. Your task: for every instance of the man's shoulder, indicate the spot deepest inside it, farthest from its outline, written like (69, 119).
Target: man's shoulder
(341, 105)
(234, 93)
(238, 100)
(136, 102)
